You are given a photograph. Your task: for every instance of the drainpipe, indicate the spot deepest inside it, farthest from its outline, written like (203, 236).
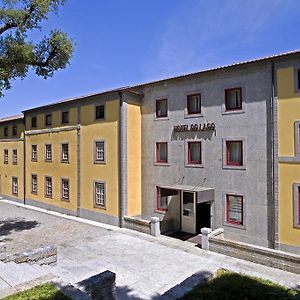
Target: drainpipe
(122, 159)
(24, 161)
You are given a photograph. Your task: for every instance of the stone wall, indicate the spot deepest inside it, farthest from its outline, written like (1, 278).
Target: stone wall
(137, 224)
(261, 255)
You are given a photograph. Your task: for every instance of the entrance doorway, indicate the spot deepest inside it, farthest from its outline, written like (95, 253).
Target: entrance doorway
(188, 215)
(203, 216)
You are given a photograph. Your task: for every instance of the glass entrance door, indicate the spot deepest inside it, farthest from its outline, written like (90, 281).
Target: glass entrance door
(188, 215)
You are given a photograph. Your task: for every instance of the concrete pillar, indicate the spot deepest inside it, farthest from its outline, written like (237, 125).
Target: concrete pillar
(205, 238)
(155, 226)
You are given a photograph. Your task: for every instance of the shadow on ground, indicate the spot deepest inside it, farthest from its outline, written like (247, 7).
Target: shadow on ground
(15, 224)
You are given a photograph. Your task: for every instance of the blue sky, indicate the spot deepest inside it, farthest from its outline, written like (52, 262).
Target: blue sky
(124, 42)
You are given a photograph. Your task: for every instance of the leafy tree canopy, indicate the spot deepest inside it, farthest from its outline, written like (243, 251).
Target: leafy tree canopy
(17, 53)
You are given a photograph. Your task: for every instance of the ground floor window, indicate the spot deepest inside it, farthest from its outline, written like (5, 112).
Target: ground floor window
(48, 187)
(297, 205)
(162, 200)
(99, 194)
(65, 189)
(234, 209)
(34, 185)
(15, 188)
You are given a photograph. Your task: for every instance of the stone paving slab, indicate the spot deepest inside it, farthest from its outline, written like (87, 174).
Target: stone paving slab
(146, 267)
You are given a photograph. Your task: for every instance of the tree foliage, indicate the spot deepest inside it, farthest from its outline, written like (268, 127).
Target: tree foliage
(17, 53)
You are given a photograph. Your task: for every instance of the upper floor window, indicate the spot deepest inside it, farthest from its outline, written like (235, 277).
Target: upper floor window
(48, 119)
(48, 152)
(15, 188)
(48, 187)
(161, 108)
(161, 152)
(194, 104)
(65, 117)
(34, 152)
(15, 156)
(65, 189)
(33, 122)
(34, 184)
(298, 79)
(194, 153)
(99, 194)
(5, 131)
(233, 99)
(64, 152)
(6, 156)
(234, 209)
(99, 112)
(234, 153)
(99, 151)
(14, 130)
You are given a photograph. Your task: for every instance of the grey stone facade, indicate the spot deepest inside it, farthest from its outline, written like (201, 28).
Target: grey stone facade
(249, 124)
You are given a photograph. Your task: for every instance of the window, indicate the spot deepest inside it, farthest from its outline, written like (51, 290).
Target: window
(99, 152)
(33, 152)
(234, 209)
(162, 200)
(233, 99)
(296, 188)
(65, 117)
(234, 153)
(298, 210)
(161, 152)
(48, 119)
(48, 152)
(5, 131)
(15, 186)
(6, 156)
(194, 153)
(99, 194)
(64, 152)
(14, 130)
(65, 189)
(194, 104)
(34, 184)
(161, 108)
(298, 81)
(33, 122)
(48, 187)
(15, 156)
(99, 112)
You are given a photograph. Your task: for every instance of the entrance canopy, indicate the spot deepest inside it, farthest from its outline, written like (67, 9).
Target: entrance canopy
(204, 194)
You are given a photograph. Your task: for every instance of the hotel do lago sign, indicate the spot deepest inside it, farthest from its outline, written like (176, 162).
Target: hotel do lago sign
(195, 127)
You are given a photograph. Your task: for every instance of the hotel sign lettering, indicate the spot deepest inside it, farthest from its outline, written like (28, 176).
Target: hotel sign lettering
(195, 127)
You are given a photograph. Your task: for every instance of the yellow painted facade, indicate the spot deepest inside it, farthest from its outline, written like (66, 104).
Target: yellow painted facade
(9, 170)
(289, 172)
(134, 136)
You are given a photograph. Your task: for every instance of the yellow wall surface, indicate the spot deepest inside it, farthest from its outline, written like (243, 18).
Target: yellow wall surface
(7, 171)
(108, 172)
(56, 169)
(134, 159)
(56, 118)
(20, 129)
(289, 173)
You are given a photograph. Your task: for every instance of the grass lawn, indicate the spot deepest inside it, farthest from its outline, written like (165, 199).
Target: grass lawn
(227, 285)
(40, 292)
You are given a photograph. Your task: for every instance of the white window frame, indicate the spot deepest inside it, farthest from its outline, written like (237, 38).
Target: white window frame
(98, 201)
(64, 158)
(5, 157)
(15, 156)
(65, 191)
(97, 152)
(34, 153)
(48, 154)
(48, 187)
(34, 184)
(15, 186)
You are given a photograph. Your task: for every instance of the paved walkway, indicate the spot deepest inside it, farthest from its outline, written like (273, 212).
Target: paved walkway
(146, 266)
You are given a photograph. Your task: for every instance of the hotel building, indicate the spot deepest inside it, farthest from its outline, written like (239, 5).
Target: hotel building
(216, 148)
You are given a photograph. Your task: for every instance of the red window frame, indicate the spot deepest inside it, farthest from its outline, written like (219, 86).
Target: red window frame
(227, 210)
(157, 106)
(228, 163)
(188, 105)
(157, 201)
(157, 153)
(226, 95)
(189, 154)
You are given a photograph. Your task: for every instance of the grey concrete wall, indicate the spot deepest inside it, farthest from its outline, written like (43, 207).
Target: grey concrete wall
(250, 125)
(269, 257)
(137, 224)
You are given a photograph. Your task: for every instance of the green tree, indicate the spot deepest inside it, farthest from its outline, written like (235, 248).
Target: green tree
(18, 53)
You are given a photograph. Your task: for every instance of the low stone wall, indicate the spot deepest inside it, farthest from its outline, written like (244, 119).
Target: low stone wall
(100, 287)
(261, 255)
(137, 224)
(42, 256)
